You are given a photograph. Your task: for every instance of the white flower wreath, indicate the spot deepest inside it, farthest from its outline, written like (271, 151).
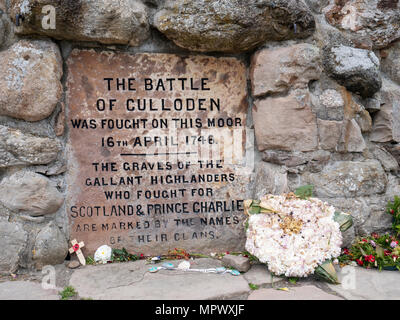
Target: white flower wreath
(293, 236)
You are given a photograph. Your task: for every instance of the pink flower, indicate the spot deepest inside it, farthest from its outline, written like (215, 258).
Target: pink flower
(394, 244)
(373, 243)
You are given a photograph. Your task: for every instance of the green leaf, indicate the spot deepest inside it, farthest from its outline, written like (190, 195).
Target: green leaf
(293, 280)
(327, 272)
(304, 192)
(254, 286)
(379, 251)
(254, 210)
(344, 219)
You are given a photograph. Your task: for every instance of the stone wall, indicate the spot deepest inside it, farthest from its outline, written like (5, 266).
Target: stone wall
(324, 96)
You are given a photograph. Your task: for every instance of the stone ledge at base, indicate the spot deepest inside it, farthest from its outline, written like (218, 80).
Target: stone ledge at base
(362, 284)
(297, 293)
(26, 290)
(132, 281)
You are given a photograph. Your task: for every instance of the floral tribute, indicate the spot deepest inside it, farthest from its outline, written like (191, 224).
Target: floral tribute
(295, 235)
(377, 251)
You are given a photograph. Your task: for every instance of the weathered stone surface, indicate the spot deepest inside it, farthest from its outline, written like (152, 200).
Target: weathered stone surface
(348, 179)
(376, 22)
(239, 263)
(364, 120)
(30, 193)
(386, 124)
(391, 62)
(157, 191)
(388, 162)
(295, 293)
(12, 241)
(270, 178)
(368, 214)
(232, 26)
(373, 104)
(105, 21)
(6, 31)
(285, 123)
(317, 5)
(280, 69)
(26, 290)
(285, 158)
(311, 161)
(360, 212)
(3, 5)
(394, 150)
(356, 69)
(2, 32)
(363, 284)
(329, 133)
(260, 276)
(74, 264)
(51, 247)
(18, 148)
(30, 73)
(382, 128)
(352, 139)
(163, 285)
(59, 123)
(328, 99)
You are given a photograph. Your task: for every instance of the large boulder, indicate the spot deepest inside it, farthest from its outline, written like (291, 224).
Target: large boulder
(277, 70)
(30, 73)
(51, 247)
(348, 179)
(232, 25)
(106, 21)
(356, 69)
(373, 22)
(19, 148)
(13, 240)
(285, 123)
(30, 193)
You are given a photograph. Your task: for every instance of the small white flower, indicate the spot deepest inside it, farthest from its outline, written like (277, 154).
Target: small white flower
(103, 254)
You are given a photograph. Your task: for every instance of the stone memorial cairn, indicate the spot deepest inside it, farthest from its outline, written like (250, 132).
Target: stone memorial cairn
(323, 100)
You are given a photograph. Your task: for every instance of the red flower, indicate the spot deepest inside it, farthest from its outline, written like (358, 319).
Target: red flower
(375, 235)
(227, 252)
(346, 251)
(371, 258)
(365, 240)
(360, 262)
(387, 252)
(76, 247)
(391, 211)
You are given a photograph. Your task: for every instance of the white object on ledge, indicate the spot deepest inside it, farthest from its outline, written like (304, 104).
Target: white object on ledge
(103, 254)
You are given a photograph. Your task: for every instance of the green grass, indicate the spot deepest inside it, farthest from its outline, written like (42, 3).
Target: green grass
(67, 293)
(293, 280)
(254, 286)
(90, 260)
